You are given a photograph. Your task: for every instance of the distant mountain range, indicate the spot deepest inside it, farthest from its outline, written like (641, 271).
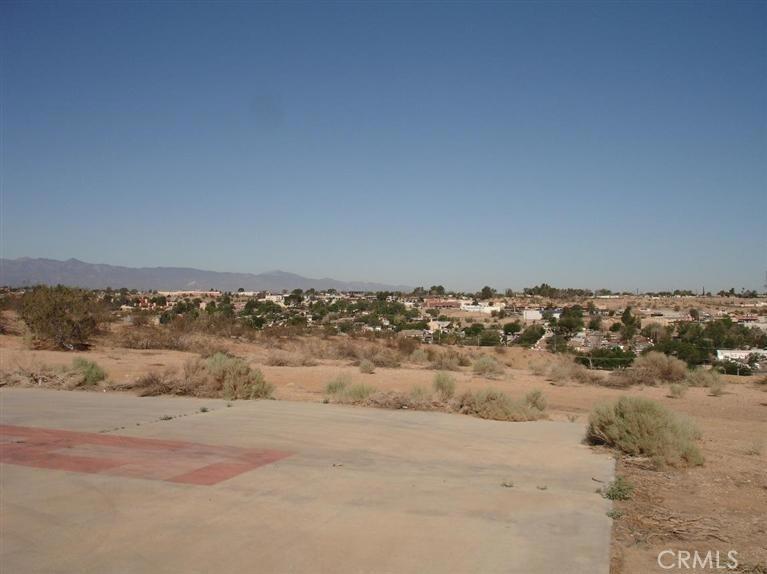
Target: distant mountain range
(72, 272)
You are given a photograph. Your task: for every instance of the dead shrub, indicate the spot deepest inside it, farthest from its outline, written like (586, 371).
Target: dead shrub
(651, 369)
(640, 427)
(155, 384)
(44, 376)
(419, 356)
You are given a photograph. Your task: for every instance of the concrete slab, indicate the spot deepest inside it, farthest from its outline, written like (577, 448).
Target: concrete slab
(361, 491)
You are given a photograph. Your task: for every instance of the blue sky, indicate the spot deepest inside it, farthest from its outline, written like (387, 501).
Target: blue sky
(619, 145)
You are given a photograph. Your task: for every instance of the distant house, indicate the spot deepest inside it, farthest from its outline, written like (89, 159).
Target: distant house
(438, 303)
(739, 355)
(532, 315)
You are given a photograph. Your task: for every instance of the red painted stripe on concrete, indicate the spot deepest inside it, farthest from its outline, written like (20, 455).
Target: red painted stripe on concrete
(174, 461)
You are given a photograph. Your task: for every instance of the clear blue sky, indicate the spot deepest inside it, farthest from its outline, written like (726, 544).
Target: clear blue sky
(619, 145)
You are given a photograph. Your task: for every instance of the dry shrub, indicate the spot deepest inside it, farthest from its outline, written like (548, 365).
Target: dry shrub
(407, 345)
(419, 394)
(677, 390)
(386, 358)
(540, 368)
(487, 366)
(155, 384)
(562, 369)
(148, 338)
(152, 337)
(496, 405)
(288, 359)
(641, 427)
(419, 356)
(716, 389)
(342, 390)
(217, 376)
(701, 377)
(444, 362)
(444, 386)
(90, 372)
(203, 345)
(367, 367)
(650, 369)
(388, 400)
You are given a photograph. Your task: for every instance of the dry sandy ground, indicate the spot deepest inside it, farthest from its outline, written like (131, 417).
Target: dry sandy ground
(720, 506)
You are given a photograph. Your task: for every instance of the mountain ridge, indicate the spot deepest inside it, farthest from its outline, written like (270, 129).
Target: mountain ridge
(26, 271)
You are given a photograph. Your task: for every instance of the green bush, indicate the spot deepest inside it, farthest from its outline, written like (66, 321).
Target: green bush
(444, 386)
(734, 368)
(90, 372)
(641, 427)
(487, 366)
(619, 489)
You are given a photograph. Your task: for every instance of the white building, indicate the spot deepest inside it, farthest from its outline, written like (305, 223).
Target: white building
(739, 354)
(532, 315)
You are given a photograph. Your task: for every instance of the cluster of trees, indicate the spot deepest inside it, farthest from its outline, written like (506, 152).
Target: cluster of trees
(696, 343)
(546, 290)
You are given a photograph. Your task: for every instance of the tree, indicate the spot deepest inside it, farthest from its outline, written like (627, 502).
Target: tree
(531, 335)
(487, 293)
(595, 323)
(512, 328)
(66, 317)
(570, 321)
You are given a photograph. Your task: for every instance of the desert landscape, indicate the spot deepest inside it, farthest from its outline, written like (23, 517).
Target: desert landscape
(716, 503)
